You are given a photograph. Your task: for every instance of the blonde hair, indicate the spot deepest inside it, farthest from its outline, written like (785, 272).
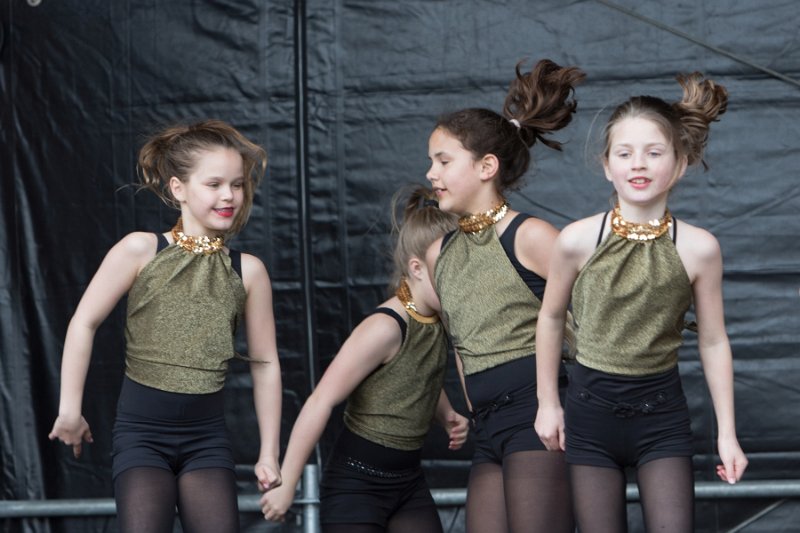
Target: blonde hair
(175, 150)
(422, 223)
(685, 123)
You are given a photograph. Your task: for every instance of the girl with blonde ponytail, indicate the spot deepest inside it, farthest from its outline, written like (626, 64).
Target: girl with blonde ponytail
(390, 371)
(631, 274)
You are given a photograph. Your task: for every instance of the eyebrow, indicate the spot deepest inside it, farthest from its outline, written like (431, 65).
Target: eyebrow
(628, 145)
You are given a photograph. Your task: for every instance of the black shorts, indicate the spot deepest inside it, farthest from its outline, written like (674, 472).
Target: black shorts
(173, 431)
(504, 406)
(619, 421)
(366, 483)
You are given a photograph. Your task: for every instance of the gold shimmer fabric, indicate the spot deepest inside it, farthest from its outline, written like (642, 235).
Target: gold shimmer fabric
(487, 308)
(395, 405)
(629, 302)
(182, 314)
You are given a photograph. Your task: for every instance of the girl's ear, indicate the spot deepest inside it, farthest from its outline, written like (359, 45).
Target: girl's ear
(489, 166)
(607, 170)
(416, 268)
(177, 189)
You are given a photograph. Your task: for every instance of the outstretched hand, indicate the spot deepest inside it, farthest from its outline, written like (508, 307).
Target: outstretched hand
(72, 432)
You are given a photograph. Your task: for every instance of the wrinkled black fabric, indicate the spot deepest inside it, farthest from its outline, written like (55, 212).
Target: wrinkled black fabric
(84, 81)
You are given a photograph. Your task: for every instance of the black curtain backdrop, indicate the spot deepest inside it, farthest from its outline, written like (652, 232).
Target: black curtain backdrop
(84, 81)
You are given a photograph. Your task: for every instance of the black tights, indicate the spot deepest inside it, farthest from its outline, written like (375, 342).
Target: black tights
(206, 500)
(666, 490)
(419, 520)
(528, 493)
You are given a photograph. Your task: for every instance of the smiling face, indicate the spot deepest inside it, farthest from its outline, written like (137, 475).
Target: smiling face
(642, 164)
(212, 194)
(462, 183)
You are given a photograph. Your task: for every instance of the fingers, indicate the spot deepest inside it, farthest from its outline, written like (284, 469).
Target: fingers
(269, 476)
(273, 510)
(76, 450)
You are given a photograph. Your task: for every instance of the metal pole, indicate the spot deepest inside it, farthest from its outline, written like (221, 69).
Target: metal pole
(249, 503)
(311, 499)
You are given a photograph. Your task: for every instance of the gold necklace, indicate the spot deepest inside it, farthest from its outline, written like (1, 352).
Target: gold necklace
(403, 294)
(634, 231)
(197, 245)
(477, 222)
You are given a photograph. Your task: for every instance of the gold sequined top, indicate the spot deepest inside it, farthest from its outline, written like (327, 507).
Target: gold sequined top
(394, 406)
(182, 314)
(489, 311)
(629, 302)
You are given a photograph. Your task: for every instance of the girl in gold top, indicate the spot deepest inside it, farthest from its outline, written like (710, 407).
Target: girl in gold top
(186, 294)
(490, 276)
(632, 274)
(391, 371)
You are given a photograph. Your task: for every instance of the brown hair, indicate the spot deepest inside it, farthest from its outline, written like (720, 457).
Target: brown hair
(422, 223)
(684, 123)
(538, 100)
(174, 152)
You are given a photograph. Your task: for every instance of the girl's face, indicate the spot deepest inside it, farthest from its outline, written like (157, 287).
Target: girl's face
(213, 193)
(641, 162)
(455, 175)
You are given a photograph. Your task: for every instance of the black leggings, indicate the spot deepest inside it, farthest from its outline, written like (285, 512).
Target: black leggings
(171, 451)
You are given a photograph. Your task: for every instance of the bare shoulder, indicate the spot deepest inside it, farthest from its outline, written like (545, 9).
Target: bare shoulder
(139, 243)
(580, 237)
(137, 248)
(253, 271)
(697, 242)
(535, 229)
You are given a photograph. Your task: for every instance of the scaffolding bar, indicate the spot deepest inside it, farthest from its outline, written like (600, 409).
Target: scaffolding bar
(249, 503)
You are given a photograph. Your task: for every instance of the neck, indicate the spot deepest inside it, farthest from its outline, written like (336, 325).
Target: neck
(417, 308)
(642, 212)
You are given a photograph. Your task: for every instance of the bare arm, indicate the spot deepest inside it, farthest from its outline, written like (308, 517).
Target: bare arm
(112, 280)
(372, 343)
(265, 368)
(456, 425)
(703, 260)
(568, 255)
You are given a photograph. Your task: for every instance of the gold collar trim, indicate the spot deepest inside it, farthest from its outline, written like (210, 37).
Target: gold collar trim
(641, 232)
(479, 221)
(403, 294)
(196, 245)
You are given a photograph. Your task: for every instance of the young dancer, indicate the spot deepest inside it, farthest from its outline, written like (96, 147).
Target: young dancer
(632, 273)
(490, 276)
(186, 295)
(391, 371)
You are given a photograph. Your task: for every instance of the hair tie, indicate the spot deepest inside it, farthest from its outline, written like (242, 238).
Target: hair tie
(427, 202)
(515, 122)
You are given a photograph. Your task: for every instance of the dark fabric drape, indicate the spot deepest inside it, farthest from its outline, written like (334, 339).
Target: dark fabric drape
(84, 81)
